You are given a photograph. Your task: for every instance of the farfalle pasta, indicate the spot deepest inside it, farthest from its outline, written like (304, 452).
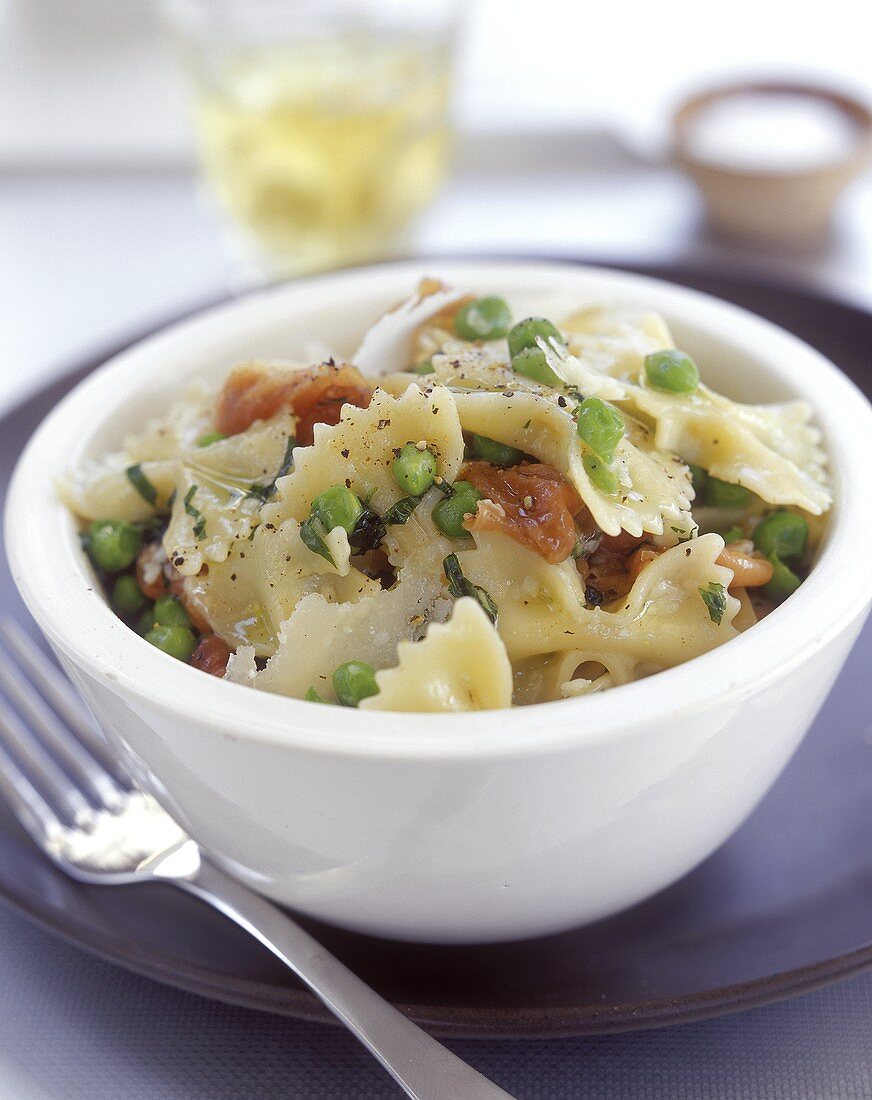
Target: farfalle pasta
(530, 509)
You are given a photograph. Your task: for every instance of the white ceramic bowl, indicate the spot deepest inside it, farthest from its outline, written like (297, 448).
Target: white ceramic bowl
(487, 826)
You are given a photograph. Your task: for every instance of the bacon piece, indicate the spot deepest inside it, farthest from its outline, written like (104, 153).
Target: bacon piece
(613, 571)
(211, 655)
(444, 318)
(532, 503)
(153, 571)
(315, 396)
(750, 569)
(157, 577)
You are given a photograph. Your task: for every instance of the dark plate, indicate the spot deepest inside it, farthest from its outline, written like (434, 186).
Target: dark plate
(784, 907)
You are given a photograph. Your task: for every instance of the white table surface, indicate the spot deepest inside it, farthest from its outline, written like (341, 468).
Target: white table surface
(86, 258)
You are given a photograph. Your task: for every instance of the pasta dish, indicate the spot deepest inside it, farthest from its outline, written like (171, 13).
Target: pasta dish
(508, 511)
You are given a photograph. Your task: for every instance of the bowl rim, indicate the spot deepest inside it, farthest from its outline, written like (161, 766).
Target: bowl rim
(57, 586)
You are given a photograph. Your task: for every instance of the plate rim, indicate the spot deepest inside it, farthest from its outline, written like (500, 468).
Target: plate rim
(447, 1020)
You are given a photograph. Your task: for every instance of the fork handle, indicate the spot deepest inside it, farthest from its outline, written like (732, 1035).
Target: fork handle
(425, 1069)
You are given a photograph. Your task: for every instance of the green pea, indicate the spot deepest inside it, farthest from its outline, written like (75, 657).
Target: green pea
(208, 438)
(784, 581)
(671, 371)
(127, 595)
(491, 450)
(168, 611)
(424, 367)
(783, 535)
(600, 426)
(113, 544)
(448, 513)
(724, 494)
(531, 363)
(312, 696)
(147, 620)
(414, 469)
(177, 641)
(733, 534)
(525, 334)
(353, 681)
(699, 480)
(601, 476)
(483, 319)
(337, 507)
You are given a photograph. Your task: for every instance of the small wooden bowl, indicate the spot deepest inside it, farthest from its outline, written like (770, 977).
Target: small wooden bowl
(785, 206)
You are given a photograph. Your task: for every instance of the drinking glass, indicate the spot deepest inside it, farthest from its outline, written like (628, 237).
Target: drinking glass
(322, 125)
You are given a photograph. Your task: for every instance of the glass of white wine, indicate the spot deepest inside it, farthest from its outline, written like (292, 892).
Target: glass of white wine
(322, 126)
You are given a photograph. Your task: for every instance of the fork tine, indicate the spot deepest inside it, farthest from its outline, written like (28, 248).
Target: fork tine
(61, 696)
(25, 801)
(91, 777)
(42, 771)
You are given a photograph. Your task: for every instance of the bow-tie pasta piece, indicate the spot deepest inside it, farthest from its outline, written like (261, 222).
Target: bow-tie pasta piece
(459, 665)
(103, 488)
(655, 492)
(359, 451)
(772, 450)
(246, 597)
(615, 341)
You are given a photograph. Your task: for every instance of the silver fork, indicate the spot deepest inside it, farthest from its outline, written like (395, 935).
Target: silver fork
(84, 811)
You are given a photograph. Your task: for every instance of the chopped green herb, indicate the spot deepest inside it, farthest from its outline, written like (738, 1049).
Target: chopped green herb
(310, 533)
(208, 438)
(715, 598)
(195, 513)
(424, 367)
(398, 513)
(141, 484)
(265, 491)
(368, 531)
(587, 545)
(733, 534)
(459, 585)
(312, 696)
